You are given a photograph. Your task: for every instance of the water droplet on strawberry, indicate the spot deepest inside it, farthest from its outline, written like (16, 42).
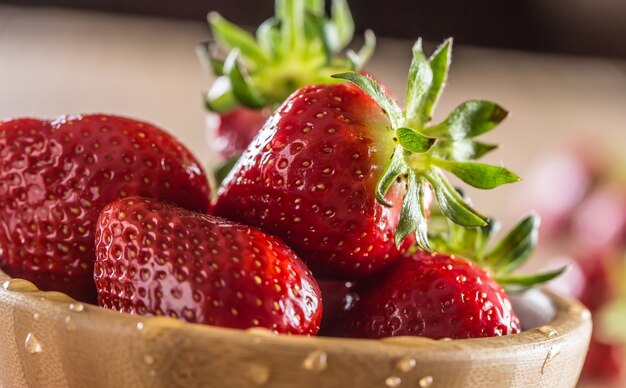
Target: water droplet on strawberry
(405, 364)
(426, 381)
(316, 361)
(32, 345)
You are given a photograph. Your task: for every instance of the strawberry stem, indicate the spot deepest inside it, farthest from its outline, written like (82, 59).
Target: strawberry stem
(424, 150)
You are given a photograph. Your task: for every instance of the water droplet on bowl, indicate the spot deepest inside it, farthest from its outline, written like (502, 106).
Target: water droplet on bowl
(393, 381)
(148, 359)
(36, 316)
(69, 324)
(316, 361)
(548, 331)
(426, 381)
(258, 374)
(405, 364)
(19, 285)
(32, 345)
(139, 326)
(77, 307)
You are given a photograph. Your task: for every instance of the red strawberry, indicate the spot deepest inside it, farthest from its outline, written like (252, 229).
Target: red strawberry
(445, 296)
(322, 172)
(156, 259)
(230, 133)
(434, 296)
(55, 178)
(298, 46)
(604, 361)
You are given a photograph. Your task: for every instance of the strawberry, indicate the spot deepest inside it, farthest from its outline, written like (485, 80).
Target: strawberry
(55, 178)
(230, 133)
(329, 170)
(299, 46)
(440, 295)
(157, 259)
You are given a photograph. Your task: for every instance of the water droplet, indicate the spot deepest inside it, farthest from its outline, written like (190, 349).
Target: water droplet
(32, 345)
(446, 339)
(393, 381)
(548, 331)
(426, 381)
(36, 316)
(405, 364)
(260, 333)
(258, 374)
(154, 326)
(148, 359)
(316, 361)
(69, 324)
(19, 285)
(139, 326)
(77, 307)
(555, 351)
(152, 373)
(56, 297)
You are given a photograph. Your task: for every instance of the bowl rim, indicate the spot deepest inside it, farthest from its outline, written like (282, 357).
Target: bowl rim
(570, 316)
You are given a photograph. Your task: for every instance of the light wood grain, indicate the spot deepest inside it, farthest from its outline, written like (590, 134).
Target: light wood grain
(48, 340)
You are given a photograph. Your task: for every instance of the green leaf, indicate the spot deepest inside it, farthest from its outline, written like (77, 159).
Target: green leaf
(365, 53)
(220, 97)
(482, 176)
(471, 242)
(413, 215)
(209, 58)
(341, 19)
(420, 81)
(292, 26)
(470, 119)
(413, 141)
(461, 150)
(518, 283)
(439, 64)
(451, 203)
(516, 247)
(396, 167)
(241, 83)
(222, 170)
(373, 89)
(316, 7)
(268, 36)
(231, 36)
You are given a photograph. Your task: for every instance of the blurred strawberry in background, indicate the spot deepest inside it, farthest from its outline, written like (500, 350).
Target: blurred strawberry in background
(580, 193)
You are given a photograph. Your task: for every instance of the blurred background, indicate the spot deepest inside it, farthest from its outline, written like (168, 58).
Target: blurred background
(558, 66)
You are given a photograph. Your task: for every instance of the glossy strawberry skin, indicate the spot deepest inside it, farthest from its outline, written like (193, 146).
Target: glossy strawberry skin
(56, 176)
(309, 177)
(434, 296)
(338, 298)
(230, 133)
(157, 259)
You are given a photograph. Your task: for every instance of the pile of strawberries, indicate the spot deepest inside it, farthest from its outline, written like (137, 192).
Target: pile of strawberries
(334, 190)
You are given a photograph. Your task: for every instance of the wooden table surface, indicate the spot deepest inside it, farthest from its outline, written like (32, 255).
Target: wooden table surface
(55, 61)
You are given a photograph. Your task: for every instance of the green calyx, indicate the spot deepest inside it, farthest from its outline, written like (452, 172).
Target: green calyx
(424, 150)
(501, 259)
(298, 46)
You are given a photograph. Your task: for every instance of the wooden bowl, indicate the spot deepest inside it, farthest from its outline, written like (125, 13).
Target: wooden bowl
(49, 340)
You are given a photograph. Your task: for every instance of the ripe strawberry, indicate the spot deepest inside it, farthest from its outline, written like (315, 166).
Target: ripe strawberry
(230, 133)
(434, 296)
(156, 259)
(445, 296)
(299, 46)
(322, 173)
(55, 178)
